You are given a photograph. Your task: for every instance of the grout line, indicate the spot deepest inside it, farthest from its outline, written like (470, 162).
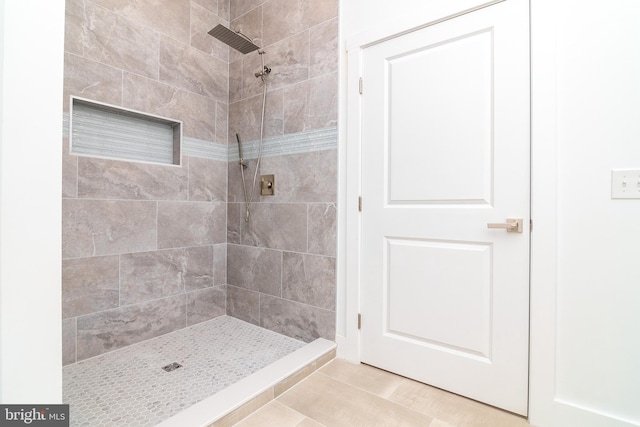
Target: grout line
(157, 223)
(281, 273)
(119, 280)
(75, 356)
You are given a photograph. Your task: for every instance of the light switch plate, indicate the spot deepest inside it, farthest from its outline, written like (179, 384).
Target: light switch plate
(625, 184)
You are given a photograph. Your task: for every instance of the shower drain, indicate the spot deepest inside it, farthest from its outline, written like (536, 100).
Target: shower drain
(172, 366)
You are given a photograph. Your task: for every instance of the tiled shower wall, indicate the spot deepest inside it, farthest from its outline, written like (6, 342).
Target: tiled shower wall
(144, 246)
(281, 264)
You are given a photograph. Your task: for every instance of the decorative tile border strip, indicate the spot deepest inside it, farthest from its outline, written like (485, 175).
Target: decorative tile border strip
(202, 148)
(295, 143)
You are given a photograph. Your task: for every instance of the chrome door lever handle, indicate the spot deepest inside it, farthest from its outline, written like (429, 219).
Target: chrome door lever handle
(513, 225)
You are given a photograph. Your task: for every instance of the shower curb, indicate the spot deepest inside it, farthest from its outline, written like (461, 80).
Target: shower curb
(229, 406)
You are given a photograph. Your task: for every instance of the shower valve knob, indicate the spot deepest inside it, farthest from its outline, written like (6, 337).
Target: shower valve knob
(267, 183)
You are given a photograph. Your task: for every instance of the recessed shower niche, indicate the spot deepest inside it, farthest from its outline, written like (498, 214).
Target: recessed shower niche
(102, 130)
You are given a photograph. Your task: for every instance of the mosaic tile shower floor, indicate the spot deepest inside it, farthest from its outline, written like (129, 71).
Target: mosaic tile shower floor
(128, 387)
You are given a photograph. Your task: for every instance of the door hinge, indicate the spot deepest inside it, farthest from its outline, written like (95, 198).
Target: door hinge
(360, 86)
(359, 321)
(530, 226)
(359, 203)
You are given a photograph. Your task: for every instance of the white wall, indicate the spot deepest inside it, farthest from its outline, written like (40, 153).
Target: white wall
(31, 62)
(585, 122)
(585, 367)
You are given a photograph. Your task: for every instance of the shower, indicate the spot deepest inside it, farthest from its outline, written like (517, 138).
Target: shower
(244, 45)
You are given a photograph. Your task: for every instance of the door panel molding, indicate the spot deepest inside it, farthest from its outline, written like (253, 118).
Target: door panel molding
(464, 303)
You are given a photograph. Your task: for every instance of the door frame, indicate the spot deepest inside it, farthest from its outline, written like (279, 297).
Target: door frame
(349, 169)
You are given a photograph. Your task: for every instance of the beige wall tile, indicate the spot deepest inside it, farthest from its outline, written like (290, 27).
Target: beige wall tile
(235, 189)
(198, 267)
(224, 9)
(289, 60)
(69, 172)
(321, 11)
(203, 19)
(148, 95)
(277, 226)
(299, 321)
(243, 304)
(193, 70)
(211, 5)
(150, 275)
(244, 119)
(274, 114)
(284, 18)
(252, 64)
(323, 102)
(257, 269)
(240, 7)
(220, 264)
(89, 285)
(206, 304)
(334, 403)
(198, 113)
(207, 180)
(235, 80)
(105, 227)
(322, 228)
(73, 26)
(222, 122)
(91, 80)
(191, 224)
(120, 42)
(68, 341)
(109, 330)
(323, 48)
(115, 179)
(250, 24)
(235, 215)
(307, 177)
(170, 17)
(296, 106)
(312, 104)
(309, 279)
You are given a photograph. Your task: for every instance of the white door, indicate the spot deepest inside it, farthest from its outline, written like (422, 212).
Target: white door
(445, 151)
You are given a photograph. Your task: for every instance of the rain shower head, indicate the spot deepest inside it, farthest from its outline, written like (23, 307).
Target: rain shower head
(236, 40)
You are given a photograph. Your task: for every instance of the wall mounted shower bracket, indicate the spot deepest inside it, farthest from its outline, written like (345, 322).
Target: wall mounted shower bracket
(265, 70)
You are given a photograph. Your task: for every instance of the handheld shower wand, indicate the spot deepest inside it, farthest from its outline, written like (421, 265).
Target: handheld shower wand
(242, 160)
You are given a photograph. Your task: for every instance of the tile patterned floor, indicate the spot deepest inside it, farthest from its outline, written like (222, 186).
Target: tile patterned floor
(127, 387)
(356, 395)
